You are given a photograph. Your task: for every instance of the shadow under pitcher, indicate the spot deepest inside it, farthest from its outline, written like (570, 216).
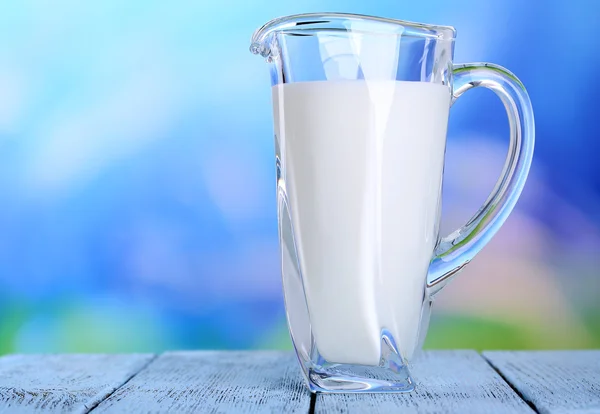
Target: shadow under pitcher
(360, 108)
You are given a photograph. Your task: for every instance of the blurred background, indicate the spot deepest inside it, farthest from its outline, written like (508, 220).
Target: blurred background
(137, 190)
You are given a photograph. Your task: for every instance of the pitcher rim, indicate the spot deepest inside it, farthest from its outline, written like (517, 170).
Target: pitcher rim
(303, 22)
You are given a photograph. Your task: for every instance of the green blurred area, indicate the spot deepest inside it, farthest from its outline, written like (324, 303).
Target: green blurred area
(469, 332)
(462, 331)
(75, 326)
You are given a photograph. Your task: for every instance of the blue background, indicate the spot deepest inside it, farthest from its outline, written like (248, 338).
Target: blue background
(137, 202)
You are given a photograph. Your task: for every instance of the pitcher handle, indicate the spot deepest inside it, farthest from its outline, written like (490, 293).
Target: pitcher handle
(456, 250)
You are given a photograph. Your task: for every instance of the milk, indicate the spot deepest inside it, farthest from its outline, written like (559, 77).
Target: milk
(362, 165)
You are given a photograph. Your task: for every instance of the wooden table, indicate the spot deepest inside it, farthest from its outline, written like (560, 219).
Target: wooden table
(270, 381)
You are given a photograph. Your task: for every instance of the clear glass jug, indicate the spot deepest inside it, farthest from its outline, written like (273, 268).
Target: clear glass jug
(360, 110)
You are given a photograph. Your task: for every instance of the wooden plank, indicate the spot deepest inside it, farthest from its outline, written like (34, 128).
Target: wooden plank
(446, 382)
(62, 383)
(221, 382)
(553, 381)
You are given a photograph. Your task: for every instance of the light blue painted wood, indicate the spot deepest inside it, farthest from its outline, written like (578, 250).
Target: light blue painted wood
(256, 382)
(447, 382)
(214, 382)
(62, 383)
(555, 382)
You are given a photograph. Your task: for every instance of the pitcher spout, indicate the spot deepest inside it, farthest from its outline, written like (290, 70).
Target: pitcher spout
(263, 38)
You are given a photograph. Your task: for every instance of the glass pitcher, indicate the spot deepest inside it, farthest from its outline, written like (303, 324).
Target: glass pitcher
(360, 111)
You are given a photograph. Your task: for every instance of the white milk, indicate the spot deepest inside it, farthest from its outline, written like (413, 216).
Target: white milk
(362, 164)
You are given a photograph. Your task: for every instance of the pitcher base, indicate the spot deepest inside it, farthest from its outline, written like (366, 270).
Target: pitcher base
(344, 378)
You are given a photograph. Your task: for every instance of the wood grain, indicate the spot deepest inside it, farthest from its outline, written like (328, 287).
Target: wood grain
(555, 382)
(447, 382)
(62, 383)
(214, 382)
